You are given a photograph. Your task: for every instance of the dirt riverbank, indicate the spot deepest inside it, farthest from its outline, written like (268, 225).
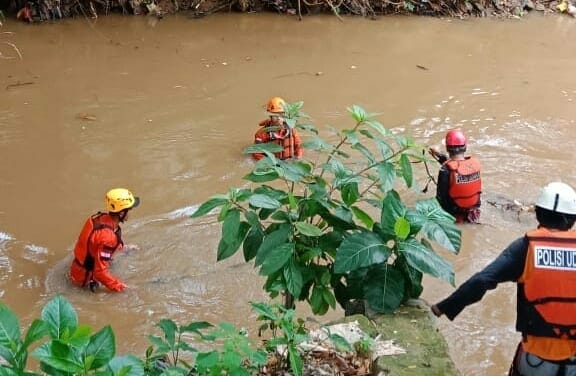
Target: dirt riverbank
(45, 10)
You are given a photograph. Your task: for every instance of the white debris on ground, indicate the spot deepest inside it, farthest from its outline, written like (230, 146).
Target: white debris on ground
(352, 333)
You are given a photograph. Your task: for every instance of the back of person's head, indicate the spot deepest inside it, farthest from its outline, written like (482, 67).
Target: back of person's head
(455, 142)
(556, 206)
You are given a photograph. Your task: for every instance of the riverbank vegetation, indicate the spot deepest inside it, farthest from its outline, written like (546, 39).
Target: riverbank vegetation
(45, 10)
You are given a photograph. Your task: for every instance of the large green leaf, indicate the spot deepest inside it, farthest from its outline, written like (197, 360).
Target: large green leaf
(406, 168)
(102, 347)
(208, 206)
(196, 327)
(262, 176)
(402, 228)
(413, 278)
(316, 143)
(127, 365)
(384, 288)
(9, 354)
(296, 363)
(426, 260)
(231, 226)
(378, 126)
(350, 193)
(293, 277)
(364, 150)
(358, 113)
(308, 229)
(81, 336)
(169, 328)
(9, 327)
(271, 241)
(362, 216)
(60, 356)
(294, 170)
(206, 360)
(264, 201)
(387, 175)
(37, 330)
(5, 371)
(228, 247)
(276, 258)
(440, 226)
(60, 317)
(392, 209)
(321, 299)
(252, 242)
(359, 251)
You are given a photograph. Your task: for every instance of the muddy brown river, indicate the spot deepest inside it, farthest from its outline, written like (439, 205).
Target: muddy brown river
(165, 107)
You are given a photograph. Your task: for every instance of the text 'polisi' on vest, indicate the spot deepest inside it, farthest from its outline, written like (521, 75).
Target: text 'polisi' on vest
(555, 258)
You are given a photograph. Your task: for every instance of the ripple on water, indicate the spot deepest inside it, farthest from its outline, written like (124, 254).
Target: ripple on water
(5, 264)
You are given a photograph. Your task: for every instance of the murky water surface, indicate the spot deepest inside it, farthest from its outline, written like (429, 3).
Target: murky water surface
(165, 108)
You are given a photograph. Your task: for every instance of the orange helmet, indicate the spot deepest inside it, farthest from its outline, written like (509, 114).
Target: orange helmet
(275, 105)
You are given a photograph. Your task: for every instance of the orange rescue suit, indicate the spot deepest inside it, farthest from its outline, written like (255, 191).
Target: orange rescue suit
(100, 238)
(547, 295)
(285, 137)
(465, 182)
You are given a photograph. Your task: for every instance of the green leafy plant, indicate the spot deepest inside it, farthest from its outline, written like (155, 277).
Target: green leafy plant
(169, 349)
(235, 353)
(277, 318)
(70, 348)
(333, 227)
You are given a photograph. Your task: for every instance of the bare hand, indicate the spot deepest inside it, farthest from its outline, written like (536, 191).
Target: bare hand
(436, 311)
(434, 151)
(130, 247)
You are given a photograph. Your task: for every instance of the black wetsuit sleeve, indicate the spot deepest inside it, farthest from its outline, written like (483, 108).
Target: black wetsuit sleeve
(442, 191)
(507, 267)
(442, 158)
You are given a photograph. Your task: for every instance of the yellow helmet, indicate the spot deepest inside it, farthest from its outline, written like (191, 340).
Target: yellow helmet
(118, 199)
(275, 105)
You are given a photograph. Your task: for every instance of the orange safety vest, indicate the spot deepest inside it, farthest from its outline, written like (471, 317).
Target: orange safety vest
(285, 137)
(547, 294)
(465, 182)
(85, 254)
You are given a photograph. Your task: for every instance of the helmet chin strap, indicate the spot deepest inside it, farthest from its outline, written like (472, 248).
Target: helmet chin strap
(122, 215)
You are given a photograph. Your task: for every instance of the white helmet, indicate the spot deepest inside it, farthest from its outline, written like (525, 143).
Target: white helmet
(558, 197)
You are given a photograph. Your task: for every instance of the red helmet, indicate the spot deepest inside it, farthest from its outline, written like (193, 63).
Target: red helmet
(455, 138)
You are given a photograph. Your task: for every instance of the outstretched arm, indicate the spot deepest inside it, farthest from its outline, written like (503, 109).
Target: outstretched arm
(507, 267)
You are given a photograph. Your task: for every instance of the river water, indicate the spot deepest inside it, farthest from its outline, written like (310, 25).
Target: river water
(165, 107)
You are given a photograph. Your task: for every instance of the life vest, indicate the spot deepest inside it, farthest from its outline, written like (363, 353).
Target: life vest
(547, 287)
(465, 182)
(83, 255)
(285, 137)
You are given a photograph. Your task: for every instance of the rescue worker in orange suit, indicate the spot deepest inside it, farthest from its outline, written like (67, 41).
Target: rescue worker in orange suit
(276, 130)
(459, 182)
(543, 265)
(99, 240)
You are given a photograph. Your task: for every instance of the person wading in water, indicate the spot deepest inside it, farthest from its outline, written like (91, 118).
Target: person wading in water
(99, 240)
(459, 182)
(276, 130)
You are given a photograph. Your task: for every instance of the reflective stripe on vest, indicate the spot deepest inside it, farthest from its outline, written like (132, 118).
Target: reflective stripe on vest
(465, 182)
